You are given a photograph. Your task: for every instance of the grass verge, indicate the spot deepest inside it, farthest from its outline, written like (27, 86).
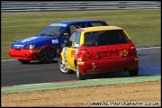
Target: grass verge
(143, 26)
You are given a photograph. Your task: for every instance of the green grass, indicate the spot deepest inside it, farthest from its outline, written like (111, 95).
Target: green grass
(143, 26)
(83, 83)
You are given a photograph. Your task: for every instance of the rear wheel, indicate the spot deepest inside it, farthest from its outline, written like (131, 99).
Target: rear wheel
(24, 61)
(79, 75)
(47, 55)
(63, 67)
(133, 72)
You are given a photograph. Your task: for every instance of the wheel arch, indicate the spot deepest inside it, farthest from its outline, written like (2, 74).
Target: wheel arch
(47, 47)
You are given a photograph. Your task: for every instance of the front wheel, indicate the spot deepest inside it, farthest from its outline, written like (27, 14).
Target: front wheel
(63, 67)
(133, 72)
(24, 61)
(79, 75)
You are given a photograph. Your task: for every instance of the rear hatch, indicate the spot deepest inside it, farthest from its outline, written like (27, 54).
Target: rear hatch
(108, 45)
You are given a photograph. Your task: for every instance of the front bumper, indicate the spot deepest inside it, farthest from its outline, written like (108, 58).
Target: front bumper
(22, 54)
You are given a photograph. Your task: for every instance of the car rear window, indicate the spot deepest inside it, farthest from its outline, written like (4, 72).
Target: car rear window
(100, 38)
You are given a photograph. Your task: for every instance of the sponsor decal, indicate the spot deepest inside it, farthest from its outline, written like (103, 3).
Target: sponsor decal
(73, 52)
(18, 46)
(125, 53)
(54, 41)
(93, 67)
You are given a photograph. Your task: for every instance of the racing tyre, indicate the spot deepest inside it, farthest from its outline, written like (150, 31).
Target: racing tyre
(46, 55)
(133, 72)
(79, 75)
(24, 61)
(62, 67)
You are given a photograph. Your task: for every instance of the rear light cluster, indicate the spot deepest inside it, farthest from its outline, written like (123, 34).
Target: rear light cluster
(83, 55)
(132, 51)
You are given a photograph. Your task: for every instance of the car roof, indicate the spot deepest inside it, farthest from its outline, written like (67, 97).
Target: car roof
(99, 28)
(78, 21)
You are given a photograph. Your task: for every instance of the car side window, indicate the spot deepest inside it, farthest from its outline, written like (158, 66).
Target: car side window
(74, 40)
(77, 40)
(76, 26)
(71, 39)
(92, 24)
(67, 33)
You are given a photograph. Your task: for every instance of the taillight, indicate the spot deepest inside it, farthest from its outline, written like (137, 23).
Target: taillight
(83, 55)
(132, 51)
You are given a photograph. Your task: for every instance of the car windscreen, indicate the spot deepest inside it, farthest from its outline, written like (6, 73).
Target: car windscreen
(53, 29)
(101, 38)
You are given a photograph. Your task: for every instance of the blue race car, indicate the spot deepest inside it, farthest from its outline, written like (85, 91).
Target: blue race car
(48, 44)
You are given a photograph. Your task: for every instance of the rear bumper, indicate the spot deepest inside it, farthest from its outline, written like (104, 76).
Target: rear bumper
(102, 66)
(22, 54)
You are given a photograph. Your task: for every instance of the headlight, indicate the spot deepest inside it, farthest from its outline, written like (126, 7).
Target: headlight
(29, 47)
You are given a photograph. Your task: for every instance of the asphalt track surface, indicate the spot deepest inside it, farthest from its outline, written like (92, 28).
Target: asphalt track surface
(15, 73)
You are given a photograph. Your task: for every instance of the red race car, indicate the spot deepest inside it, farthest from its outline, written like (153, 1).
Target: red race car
(101, 49)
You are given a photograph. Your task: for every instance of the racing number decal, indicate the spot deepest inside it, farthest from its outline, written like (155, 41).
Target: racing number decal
(73, 52)
(125, 53)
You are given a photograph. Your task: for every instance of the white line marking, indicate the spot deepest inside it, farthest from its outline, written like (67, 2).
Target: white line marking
(9, 60)
(34, 84)
(147, 48)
